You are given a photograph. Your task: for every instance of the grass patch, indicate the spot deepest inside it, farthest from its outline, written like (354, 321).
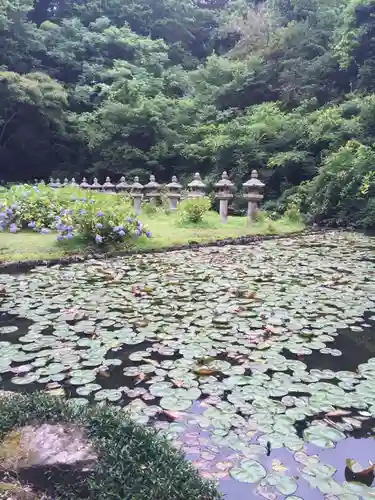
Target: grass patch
(133, 464)
(167, 230)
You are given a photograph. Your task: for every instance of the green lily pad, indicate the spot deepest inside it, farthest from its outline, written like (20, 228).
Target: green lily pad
(248, 471)
(285, 484)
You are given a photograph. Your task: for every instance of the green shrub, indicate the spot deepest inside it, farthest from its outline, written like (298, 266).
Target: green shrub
(134, 463)
(292, 213)
(192, 210)
(343, 191)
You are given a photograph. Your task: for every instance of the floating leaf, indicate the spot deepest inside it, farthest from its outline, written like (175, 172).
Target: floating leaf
(248, 471)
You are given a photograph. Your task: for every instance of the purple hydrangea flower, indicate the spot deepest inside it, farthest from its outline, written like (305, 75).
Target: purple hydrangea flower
(9, 211)
(99, 225)
(60, 237)
(98, 238)
(69, 236)
(2, 215)
(148, 234)
(12, 228)
(92, 202)
(82, 212)
(138, 232)
(14, 206)
(129, 219)
(121, 233)
(139, 224)
(69, 211)
(44, 230)
(31, 224)
(100, 214)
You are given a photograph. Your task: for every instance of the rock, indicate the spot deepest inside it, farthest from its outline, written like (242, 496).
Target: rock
(46, 445)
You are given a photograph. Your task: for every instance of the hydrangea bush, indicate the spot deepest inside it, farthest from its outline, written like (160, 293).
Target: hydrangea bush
(99, 217)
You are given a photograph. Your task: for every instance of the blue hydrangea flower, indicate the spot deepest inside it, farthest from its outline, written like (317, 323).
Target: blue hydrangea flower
(82, 212)
(139, 225)
(121, 233)
(129, 219)
(60, 237)
(12, 228)
(148, 234)
(9, 211)
(2, 215)
(98, 238)
(44, 230)
(31, 224)
(138, 232)
(100, 213)
(99, 225)
(69, 236)
(92, 202)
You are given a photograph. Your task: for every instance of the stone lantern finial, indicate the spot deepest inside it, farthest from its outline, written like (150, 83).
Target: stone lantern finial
(224, 194)
(253, 194)
(136, 194)
(95, 185)
(122, 185)
(108, 186)
(84, 184)
(52, 183)
(196, 187)
(152, 190)
(174, 190)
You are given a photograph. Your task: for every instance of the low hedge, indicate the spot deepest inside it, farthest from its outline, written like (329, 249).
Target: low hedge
(134, 463)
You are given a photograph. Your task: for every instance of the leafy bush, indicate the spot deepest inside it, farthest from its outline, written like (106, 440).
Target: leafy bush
(292, 213)
(134, 463)
(192, 210)
(103, 218)
(32, 206)
(343, 192)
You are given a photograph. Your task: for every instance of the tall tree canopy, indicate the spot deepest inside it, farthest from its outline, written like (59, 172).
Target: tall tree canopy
(169, 87)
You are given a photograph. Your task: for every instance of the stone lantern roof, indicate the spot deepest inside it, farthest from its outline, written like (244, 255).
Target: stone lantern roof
(254, 182)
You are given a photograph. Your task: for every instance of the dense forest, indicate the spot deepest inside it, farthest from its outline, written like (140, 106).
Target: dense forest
(134, 87)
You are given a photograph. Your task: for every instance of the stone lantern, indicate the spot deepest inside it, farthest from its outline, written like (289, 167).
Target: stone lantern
(224, 194)
(122, 186)
(253, 194)
(73, 183)
(136, 193)
(66, 182)
(196, 187)
(58, 183)
(108, 187)
(152, 189)
(52, 183)
(84, 184)
(95, 185)
(174, 196)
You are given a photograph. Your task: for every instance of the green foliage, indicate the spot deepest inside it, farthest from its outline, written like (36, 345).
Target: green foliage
(193, 210)
(343, 192)
(133, 461)
(35, 205)
(169, 87)
(97, 217)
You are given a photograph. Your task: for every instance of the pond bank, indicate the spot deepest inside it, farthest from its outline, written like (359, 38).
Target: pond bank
(25, 265)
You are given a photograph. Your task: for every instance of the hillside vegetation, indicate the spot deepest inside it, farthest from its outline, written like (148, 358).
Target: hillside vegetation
(168, 87)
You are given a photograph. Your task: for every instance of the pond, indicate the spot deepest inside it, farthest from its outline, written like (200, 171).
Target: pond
(257, 361)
